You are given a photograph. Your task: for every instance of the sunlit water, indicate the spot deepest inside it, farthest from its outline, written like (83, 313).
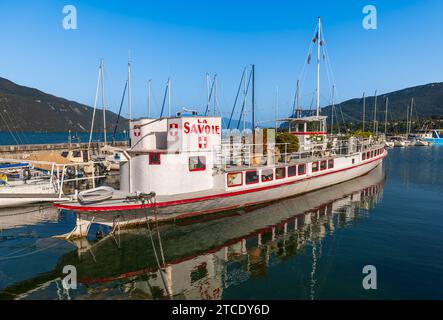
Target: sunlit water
(309, 247)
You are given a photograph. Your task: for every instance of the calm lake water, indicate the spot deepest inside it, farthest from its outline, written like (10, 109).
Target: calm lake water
(309, 247)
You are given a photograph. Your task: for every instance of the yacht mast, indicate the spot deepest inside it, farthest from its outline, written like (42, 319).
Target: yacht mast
(375, 112)
(149, 98)
(169, 96)
(407, 120)
(410, 117)
(318, 35)
(386, 116)
(332, 108)
(102, 66)
(208, 96)
(364, 107)
(95, 107)
(253, 107)
(129, 96)
(244, 104)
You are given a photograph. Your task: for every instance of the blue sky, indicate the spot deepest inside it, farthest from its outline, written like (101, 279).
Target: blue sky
(186, 39)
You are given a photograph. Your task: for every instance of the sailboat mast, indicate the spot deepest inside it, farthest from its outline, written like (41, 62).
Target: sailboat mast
(386, 116)
(215, 95)
(375, 112)
(208, 97)
(102, 70)
(253, 105)
(129, 97)
(244, 103)
(318, 65)
(276, 108)
(169, 97)
(95, 107)
(297, 101)
(407, 120)
(364, 111)
(332, 108)
(149, 98)
(410, 117)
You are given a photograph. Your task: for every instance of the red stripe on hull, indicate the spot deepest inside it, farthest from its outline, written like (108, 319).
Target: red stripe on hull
(215, 196)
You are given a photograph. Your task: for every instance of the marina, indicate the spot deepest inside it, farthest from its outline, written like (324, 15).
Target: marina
(280, 250)
(216, 160)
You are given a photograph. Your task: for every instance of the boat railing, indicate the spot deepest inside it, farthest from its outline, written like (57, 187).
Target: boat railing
(60, 174)
(254, 155)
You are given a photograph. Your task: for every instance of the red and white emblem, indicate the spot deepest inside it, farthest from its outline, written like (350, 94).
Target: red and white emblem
(202, 142)
(137, 131)
(173, 129)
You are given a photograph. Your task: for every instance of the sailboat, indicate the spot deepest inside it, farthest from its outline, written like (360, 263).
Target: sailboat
(178, 167)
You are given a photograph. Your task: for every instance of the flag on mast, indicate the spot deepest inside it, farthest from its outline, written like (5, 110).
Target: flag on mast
(315, 37)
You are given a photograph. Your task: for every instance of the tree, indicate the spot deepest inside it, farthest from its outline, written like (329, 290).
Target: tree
(290, 139)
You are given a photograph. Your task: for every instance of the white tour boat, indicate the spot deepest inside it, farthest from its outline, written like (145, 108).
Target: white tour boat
(180, 167)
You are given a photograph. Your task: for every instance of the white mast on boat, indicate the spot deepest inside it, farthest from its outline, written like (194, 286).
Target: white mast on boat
(276, 107)
(318, 35)
(169, 96)
(129, 96)
(332, 108)
(407, 120)
(375, 112)
(244, 101)
(208, 95)
(364, 111)
(149, 98)
(410, 117)
(102, 66)
(386, 116)
(95, 107)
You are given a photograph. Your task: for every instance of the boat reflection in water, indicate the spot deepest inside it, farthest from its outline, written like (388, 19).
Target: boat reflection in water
(27, 215)
(203, 257)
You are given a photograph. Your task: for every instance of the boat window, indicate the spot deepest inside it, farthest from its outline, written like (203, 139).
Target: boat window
(234, 179)
(154, 158)
(368, 155)
(65, 154)
(323, 165)
(280, 173)
(267, 175)
(314, 166)
(292, 171)
(301, 169)
(363, 156)
(372, 153)
(197, 163)
(76, 154)
(251, 177)
(331, 163)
